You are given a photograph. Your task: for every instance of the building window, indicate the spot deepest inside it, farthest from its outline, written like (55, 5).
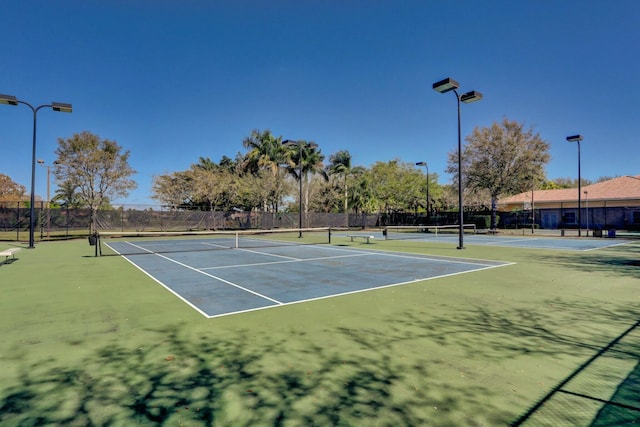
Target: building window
(636, 217)
(570, 217)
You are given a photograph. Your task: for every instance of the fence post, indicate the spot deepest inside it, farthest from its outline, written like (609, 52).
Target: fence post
(41, 220)
(18, 222)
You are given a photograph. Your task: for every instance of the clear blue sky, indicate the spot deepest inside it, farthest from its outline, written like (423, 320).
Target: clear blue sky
(175, 80)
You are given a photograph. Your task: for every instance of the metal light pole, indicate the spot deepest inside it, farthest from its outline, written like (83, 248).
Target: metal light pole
(299, 144)
(56, 106)
(426, 166)
(41, 163)
(578, 138)
(533, 212)
(586, 203)
(444, 86)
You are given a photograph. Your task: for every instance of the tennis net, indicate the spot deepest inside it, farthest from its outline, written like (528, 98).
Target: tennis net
(150, 242)
(402, 232)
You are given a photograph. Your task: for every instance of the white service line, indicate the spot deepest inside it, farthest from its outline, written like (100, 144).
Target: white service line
(216, 246)
(468, 261)
(375, 288)
(443, 258)
(268, 254)
(384, 252)
(507, 241)
(216, 277)
(283, 262)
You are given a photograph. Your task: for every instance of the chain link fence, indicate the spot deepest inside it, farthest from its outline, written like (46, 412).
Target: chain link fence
(60, 222)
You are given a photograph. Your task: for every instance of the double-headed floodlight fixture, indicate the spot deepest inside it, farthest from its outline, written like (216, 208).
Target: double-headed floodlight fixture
(55, 106)
(578, 138)
(450, 85)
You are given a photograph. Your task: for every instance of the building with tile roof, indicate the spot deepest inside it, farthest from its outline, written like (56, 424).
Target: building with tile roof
(609, 204)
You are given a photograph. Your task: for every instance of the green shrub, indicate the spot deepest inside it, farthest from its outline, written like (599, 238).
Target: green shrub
(481, 221)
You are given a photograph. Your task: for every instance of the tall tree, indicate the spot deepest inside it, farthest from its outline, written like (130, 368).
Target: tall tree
(11, 191)
(325, 195)
(216, 188)
(502, 159)
(174, 189)
(361, 198)
(266, 152)
(96, 167)
(567, 183)
(205, 163)
(340, 164)
(305, 157)
(253, 189)
(228, 164)
(435, 193)
(398, 186)
(67, 194)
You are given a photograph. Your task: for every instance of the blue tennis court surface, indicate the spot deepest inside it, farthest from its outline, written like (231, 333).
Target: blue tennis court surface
(558, 243)
(532, 242)
(222, 282)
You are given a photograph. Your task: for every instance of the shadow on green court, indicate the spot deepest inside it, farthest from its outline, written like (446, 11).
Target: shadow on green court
(232, 382)
(621, 407)
(241, 380)
(84, 344)
(624, 406)
(617, 260)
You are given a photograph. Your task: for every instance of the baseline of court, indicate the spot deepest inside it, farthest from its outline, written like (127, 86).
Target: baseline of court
(217, 283)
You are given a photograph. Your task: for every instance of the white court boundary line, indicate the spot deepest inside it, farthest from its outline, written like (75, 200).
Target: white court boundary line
(609, 246)
(281, 262)
(478, 261)
(209, 275)
(356, 291)
(354, 253)
(505, 243)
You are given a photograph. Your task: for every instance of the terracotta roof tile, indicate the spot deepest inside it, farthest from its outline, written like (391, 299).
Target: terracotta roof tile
(623, 187)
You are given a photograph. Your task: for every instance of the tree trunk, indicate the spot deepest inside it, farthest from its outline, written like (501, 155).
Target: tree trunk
(494, 211)
(346, 203)
(306, 201)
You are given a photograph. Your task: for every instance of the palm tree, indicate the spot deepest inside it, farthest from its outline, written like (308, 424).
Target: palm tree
(228, 164)
(205, 163)
(266, 152)
(67, 194)
(341, 165)
(311, 162)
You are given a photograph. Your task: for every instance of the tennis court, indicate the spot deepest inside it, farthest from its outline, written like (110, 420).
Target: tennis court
(552, 339)
(449, 235)
(258, 273)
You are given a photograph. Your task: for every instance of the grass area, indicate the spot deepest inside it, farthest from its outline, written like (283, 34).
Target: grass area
(94, 341)
(40, 235)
